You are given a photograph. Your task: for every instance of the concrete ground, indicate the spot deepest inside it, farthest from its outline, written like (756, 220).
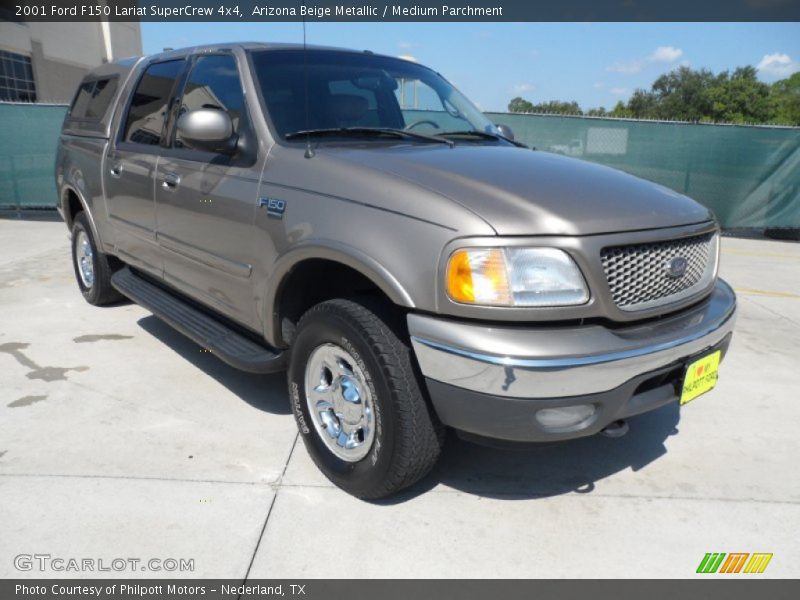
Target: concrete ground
(119, 438)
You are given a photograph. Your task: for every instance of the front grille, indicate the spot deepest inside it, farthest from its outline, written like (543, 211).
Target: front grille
(638, 274)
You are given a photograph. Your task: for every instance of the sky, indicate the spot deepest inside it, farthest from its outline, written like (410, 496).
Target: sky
(595, 64)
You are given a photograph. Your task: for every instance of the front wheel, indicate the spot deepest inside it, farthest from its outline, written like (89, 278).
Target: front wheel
(358, 402)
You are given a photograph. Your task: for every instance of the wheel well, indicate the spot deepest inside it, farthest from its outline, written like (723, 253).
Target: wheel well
(316, 280)
(72, 206)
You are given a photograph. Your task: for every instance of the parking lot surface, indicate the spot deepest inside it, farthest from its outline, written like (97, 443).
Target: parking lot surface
(119, 438)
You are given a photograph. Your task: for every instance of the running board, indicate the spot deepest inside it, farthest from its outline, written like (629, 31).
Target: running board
(221, 340)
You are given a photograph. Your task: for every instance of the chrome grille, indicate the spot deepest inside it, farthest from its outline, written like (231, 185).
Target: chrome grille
(638, 274)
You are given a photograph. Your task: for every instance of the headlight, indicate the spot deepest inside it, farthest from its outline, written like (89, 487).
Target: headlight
(515, 277)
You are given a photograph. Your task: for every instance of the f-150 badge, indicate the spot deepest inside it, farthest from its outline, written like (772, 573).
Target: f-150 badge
(275, 207)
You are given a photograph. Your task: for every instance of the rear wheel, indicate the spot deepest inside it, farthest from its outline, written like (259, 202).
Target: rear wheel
(358, 402)
(93, 269)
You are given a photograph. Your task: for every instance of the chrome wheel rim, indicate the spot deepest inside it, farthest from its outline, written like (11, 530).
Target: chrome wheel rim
(84, 259)
(340, 402)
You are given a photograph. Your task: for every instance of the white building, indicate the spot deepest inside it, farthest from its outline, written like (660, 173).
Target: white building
(43, 62)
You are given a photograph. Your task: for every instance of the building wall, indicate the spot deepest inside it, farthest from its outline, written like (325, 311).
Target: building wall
(62, 53)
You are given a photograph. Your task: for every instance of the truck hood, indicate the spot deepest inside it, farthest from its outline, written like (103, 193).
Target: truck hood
(524, 192)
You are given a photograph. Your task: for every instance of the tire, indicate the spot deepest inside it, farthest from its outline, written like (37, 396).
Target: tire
(94, 281)
(406, 437)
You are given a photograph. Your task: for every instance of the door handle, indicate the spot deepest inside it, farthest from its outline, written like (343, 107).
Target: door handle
(170, 181)
(115, 170)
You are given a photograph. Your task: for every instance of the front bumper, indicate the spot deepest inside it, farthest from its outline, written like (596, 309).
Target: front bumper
(494, 380)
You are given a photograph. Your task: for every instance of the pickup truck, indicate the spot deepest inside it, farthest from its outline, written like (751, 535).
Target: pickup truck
(356, 221)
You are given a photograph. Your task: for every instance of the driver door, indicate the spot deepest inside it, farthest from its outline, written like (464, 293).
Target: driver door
(206, 202)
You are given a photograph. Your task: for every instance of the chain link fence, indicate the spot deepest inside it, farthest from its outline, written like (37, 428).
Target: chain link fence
(748, 175)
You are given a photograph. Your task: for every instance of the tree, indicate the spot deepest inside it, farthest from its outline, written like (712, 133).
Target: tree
(520, 105)
(740, 98)
(681, 94)
(642, 104)
(785, 99)
(686, 94)
(553, 106)
(557, 106)
(620, 111)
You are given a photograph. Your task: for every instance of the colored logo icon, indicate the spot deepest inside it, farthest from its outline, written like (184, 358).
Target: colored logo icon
(734, 562)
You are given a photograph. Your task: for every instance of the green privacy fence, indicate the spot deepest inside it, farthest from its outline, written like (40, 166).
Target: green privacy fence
(749, 176)
(28, 138)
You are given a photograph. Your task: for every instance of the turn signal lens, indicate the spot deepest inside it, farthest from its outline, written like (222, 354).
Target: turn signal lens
(478, 276)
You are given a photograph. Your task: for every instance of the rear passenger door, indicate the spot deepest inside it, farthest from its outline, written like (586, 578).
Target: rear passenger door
(130, 165)
(206, 202)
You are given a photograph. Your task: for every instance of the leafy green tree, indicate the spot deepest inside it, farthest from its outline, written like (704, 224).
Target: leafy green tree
(686, 94)
(557, 106)
(740, 98)
(620, 111)
(520, 105)
(681, 94)
(642, 105)
(553, 106)
(785, 98)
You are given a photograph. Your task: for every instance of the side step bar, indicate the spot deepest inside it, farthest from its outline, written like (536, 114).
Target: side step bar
(227, 344)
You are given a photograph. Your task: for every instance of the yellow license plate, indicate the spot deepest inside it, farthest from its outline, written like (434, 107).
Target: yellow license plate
(701, 376)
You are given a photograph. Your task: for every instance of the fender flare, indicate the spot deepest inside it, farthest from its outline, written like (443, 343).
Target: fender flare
(66, 189)
(334, 251)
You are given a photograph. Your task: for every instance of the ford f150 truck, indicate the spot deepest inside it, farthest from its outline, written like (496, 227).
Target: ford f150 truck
(353, 219)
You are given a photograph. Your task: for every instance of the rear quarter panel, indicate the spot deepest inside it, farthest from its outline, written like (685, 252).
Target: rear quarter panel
(79, 169)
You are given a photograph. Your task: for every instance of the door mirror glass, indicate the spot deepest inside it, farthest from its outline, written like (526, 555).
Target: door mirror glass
(505, 131)
(207, 129)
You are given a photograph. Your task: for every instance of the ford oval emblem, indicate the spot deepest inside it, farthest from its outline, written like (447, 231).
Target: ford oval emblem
(676, 267)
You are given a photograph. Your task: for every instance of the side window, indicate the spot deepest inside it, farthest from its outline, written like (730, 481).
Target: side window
(78, 110)
(93, 99)
(148, 108)
(214, 83)
(102, 95)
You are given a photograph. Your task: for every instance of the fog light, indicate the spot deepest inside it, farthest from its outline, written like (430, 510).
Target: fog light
(564, 416)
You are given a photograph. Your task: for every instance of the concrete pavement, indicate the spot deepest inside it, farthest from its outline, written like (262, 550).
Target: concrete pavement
(119, 438)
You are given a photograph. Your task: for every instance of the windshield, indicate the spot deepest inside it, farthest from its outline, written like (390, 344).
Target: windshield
(355, 90)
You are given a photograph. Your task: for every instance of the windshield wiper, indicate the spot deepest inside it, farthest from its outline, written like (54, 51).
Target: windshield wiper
(362, 131)
(483, 135)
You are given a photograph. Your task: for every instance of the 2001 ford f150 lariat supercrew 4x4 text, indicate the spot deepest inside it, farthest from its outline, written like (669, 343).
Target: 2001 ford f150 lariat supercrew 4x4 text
(354, 219)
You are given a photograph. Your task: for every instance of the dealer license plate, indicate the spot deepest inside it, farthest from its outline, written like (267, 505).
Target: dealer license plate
(701, 376)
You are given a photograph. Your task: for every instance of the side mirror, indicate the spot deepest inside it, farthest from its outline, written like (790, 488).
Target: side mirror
(505, 131)
(207, 129)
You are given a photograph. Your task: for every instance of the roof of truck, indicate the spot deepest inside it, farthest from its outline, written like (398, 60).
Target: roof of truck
(178, 52)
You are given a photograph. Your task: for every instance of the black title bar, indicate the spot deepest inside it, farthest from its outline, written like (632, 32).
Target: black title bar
(400, 10)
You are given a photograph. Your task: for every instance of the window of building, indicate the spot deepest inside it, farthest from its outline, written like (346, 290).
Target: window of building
(16, 78)
(150, 101)
(214, 83)
(93, 99)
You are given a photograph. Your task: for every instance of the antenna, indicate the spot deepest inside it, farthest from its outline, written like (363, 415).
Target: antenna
(309, 150)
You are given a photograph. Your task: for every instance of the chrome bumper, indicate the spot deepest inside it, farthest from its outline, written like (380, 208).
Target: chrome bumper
(559, 362)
